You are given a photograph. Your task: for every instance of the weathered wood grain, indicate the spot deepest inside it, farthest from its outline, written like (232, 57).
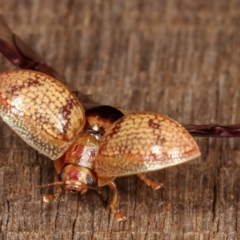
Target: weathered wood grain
(179, 58)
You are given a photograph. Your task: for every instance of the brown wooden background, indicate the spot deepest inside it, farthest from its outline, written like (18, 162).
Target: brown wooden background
(177, 57)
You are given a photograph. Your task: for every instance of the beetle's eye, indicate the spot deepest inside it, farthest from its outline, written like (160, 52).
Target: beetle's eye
(61, 176)
(90, 180)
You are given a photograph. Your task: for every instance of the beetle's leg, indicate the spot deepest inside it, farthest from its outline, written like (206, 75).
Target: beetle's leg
(149, 182)
(56, 194)
(113, 202)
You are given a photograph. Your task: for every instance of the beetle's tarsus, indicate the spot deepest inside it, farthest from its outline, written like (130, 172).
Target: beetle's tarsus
(119, 217)
(149, 182)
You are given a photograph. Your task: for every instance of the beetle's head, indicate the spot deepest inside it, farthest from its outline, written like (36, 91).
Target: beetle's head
(77, 178)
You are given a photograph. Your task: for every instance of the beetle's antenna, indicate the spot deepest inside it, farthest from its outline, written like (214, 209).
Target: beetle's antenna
(94, 188)
(48, 185)
(22, 190)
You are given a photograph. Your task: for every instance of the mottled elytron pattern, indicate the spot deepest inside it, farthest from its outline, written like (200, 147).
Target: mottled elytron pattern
(41, 110)
(142, 142)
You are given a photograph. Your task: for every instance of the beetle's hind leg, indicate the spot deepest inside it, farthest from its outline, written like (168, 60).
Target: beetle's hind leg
(149, 182)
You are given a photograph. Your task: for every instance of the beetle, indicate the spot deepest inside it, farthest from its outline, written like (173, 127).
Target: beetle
(90, 144)
(89, 147)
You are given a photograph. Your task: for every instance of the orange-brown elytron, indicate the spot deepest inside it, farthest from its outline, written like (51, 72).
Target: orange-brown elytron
(143, 142)
(41, 110)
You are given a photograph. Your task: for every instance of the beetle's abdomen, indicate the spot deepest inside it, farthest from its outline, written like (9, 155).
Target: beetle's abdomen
(41, 110)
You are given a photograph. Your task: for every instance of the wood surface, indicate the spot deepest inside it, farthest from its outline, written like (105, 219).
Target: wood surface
(179, 58)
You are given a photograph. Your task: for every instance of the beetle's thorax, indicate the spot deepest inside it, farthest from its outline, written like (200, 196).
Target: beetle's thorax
(82, 152)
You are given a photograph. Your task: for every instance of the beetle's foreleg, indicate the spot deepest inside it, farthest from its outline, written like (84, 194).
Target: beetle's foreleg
(56, 194)
(149, 182)
(113, 202)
